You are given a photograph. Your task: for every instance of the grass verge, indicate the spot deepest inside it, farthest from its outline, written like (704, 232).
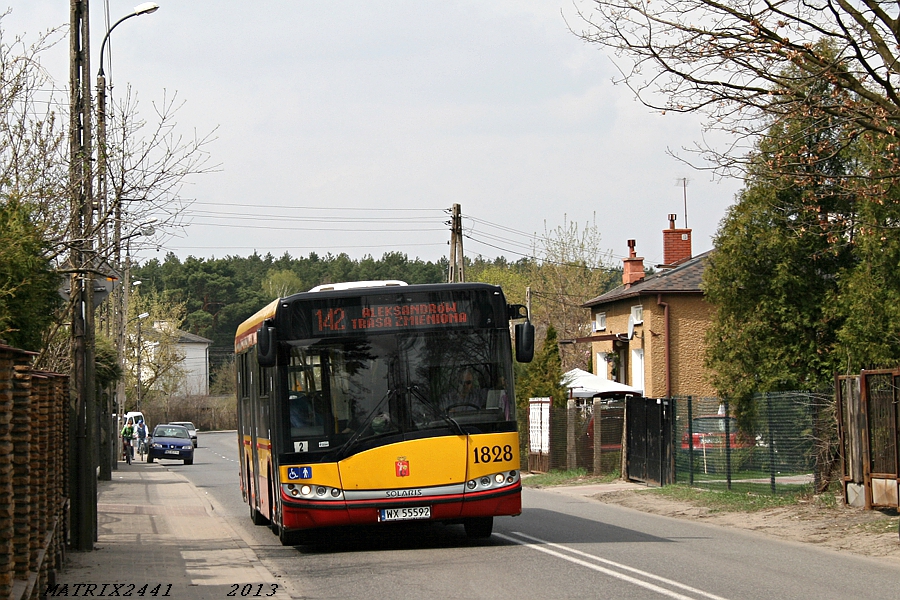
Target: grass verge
(573, 477)
(731, 501)
(715, 500)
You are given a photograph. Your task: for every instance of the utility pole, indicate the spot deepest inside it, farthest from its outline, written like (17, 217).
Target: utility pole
(83, 488)
(118, 304)
(457, 272)
(140, 350)
(108, 457)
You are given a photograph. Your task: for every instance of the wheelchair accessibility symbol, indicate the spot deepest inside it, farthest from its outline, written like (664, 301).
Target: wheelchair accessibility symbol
(299, 473)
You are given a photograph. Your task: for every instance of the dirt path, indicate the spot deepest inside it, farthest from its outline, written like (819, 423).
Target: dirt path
(865, 532)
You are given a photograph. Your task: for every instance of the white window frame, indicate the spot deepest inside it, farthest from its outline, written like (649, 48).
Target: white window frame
(599, 323)
(637, 314)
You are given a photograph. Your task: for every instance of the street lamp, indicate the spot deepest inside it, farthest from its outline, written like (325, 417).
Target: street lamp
(142, 9)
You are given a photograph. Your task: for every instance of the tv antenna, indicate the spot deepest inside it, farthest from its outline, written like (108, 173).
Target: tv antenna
(684, 182)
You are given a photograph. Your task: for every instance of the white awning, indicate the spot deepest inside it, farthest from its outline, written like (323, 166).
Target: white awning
(582, 384)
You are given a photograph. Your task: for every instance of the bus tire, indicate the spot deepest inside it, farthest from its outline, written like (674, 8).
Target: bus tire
(479, 528)
(257, 517)
(289, 538)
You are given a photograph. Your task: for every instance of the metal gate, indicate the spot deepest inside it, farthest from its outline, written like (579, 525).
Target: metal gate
(648, 435)
(539, 435)
(869, 429)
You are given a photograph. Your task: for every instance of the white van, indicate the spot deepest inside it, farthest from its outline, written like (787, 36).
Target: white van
(132, 418)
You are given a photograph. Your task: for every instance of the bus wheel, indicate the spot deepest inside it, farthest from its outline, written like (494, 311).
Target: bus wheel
(289, 538)
(479, 528)
(257, 517)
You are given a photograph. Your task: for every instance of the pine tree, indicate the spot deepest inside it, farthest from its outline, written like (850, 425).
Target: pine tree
(543, 377)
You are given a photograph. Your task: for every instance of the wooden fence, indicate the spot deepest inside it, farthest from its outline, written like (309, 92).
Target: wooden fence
(34, 475)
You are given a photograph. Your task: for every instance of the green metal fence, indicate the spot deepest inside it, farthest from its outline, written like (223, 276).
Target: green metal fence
(789, 441)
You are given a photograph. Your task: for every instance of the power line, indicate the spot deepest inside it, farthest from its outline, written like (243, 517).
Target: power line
(295, 228)
(322, 219)
(497, 238)
(315, 247)
(535, 258)
(295, 207)
(503, 227)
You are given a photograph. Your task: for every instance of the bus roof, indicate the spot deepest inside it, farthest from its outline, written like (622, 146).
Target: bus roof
(352, 285)
(248, 328)
(246, 332)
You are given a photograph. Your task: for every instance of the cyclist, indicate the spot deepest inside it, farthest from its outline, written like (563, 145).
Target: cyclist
(127, 435)
(141, 431)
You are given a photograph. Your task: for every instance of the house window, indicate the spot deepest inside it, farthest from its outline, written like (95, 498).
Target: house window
(637, 313)
(599, 322)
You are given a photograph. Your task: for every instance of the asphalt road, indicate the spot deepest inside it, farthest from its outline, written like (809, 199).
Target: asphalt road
(561, 547)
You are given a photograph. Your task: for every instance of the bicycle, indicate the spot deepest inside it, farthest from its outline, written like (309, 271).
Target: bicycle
(142, 448)
(129, 450)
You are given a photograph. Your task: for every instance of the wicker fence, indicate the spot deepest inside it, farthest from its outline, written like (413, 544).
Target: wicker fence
(571, 437)
(34, 478)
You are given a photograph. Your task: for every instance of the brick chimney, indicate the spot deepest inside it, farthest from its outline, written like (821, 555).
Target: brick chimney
(633, 266)
(676, 244)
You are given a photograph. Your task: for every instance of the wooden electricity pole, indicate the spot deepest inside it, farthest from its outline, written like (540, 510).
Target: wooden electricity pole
(457, 272)
(83, 435)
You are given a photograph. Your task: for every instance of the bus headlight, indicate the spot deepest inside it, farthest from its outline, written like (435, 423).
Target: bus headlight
(488, 482)
(312, 492)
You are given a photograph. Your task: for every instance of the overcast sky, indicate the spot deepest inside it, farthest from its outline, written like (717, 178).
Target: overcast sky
(353, 127)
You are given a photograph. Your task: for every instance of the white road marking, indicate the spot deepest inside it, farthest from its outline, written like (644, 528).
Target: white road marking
(540, 546)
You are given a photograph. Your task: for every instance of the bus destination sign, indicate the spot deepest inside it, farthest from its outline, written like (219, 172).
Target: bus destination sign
(379, 317)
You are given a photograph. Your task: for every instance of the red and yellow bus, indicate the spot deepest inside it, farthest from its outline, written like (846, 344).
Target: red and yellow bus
(378, 402)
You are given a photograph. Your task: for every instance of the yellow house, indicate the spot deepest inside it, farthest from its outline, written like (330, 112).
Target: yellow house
(649, 332)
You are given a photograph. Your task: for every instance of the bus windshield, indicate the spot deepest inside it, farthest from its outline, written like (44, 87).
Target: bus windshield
(357, 390)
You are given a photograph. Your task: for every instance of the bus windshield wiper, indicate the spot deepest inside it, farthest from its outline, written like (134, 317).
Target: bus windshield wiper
(344, 450)
(454, 424)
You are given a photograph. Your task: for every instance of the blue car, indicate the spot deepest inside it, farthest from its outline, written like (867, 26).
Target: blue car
(173, 442)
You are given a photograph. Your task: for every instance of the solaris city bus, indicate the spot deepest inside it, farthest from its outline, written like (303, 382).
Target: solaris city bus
(376, 402)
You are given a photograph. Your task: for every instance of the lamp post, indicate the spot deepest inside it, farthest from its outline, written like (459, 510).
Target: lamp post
(140, 349)
(142, 9)
(102, 155)
(83, 481)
